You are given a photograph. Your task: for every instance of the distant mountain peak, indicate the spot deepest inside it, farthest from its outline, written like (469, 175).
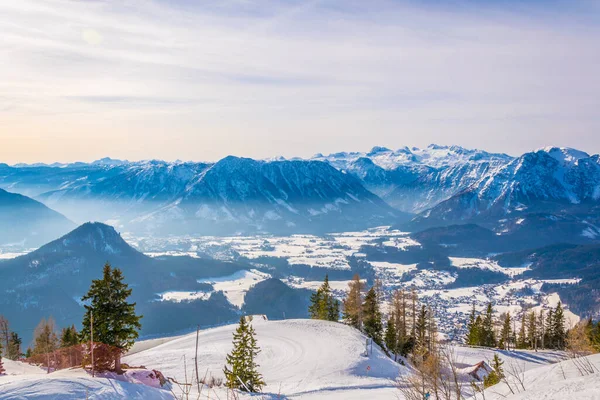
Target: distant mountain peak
(91, 236)
(107, 161)
(377, 150)
(565, 155)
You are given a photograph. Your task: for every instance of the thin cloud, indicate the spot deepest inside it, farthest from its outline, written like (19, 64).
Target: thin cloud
(353, 72)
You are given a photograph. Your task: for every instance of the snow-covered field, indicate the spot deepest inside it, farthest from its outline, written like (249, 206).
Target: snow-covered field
(236, 286)
(299, 358)
(333, 251)
(304, 359)
(330, 251)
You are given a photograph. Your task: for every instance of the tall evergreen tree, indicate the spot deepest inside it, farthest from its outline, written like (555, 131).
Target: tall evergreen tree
(353, 303)
(505, 334)
(558, 328)
(522, 339)
(488, 334)
(241, 371)
(115, 321)
(323, 305)
(472, 338)
(14, 346)
(549, 330)
(532, 335)
(391, 336)
(69, 337)
(373, 325)
(541, 328)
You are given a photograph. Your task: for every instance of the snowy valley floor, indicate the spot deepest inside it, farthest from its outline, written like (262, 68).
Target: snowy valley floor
(300, 359)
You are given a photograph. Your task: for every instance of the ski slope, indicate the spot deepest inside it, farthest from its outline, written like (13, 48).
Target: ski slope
(299, 359)
(552, 382)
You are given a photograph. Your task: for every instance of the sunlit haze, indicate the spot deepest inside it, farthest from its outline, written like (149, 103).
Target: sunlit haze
(200, 80)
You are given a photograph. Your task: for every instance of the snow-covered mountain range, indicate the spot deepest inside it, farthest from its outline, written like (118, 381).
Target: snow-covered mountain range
(557, 182)
(414, 179)
(231, 195)
(443, 185)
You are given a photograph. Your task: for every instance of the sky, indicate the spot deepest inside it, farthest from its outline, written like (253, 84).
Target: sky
(199, 80)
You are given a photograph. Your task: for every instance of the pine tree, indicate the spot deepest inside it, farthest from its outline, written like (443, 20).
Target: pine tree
(488, 334)
(522, 340)
(69, 337)
(541, 328)
(28, 353)
(472, 338)
(594, 335)
(497, 373)
(549, 330)
(373, 325)
(323, 305)
(316, 301)
(558, 328)
(115, 321)
(505, 334)
(14, 346)
(241, 371)
(532, 330)
(353, 303)
(391, 336)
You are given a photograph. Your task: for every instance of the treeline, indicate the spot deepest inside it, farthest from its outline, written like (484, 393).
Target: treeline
(409, 329)
(536, 330)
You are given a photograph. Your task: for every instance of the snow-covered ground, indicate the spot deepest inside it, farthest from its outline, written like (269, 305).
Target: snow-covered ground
(334, 252)
(23, 381)
(564, 380)
(330, 251)
(305, 359)
(461, 262)
(299, 358)
(236, 286)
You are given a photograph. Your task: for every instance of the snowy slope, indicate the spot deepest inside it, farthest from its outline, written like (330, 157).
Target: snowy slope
(553, 382)
(23, 381)
(298, 359)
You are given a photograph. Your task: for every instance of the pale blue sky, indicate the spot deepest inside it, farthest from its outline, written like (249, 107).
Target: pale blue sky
(198, 80)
